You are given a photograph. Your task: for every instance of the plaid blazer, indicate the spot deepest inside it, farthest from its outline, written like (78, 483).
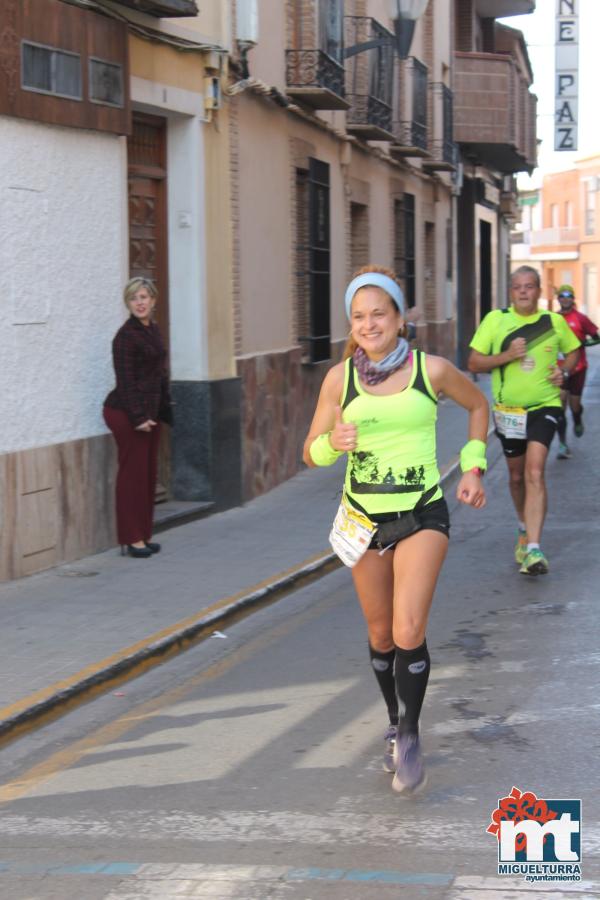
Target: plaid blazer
(140, 362)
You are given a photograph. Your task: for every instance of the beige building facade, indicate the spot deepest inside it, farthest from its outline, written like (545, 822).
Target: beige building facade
(328, 177)
(559, 234)
(342, 158)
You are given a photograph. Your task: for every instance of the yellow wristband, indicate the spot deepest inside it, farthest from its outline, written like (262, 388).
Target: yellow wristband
(321, 451)
(472, 456)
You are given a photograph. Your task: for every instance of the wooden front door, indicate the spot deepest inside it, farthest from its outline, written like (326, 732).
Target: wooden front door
(148, 248)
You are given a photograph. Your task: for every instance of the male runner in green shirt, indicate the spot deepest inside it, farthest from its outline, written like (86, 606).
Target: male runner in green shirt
(520, 347)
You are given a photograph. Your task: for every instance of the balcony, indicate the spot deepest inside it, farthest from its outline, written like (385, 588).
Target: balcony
(554, 237)
(443, 157)
(315, 79)
(163, 8)
(443, 150)
(494, 113)
(509, 206)
(369, 80)
(411, 110)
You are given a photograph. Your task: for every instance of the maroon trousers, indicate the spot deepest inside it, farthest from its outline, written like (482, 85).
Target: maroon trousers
(136, 477)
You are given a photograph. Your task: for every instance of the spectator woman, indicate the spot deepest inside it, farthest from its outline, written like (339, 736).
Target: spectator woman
(379, 406)
(133, 411)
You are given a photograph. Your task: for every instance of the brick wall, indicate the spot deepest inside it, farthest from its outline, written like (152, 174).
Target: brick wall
(464, 26)
(234, 155)
(359, 235)
(302, 24)
(430, 272)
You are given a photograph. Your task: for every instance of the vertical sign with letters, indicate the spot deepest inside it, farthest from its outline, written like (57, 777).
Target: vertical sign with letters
(566, 85)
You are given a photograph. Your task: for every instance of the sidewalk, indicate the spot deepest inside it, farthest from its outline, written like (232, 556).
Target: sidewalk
(71, 629)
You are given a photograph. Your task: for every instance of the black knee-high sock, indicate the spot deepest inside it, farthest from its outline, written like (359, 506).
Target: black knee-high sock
(411, 669)
(562, 429)
(577, 415)
(383, 666)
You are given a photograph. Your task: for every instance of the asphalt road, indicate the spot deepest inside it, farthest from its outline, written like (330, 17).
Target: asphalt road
(250, 766)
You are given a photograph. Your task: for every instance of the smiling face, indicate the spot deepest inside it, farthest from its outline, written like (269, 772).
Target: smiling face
(375, 322)
(141, 305)
(525, 293)
(567, 302)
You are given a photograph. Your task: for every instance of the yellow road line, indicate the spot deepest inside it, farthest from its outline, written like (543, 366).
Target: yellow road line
(111, 732)
(19, 706)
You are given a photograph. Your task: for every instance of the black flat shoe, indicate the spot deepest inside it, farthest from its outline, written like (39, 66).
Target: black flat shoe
(152, 547)
(136, 552)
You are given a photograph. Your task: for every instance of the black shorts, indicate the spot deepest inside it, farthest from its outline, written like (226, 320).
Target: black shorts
(575, 383)
(434, 517)
(541, 427)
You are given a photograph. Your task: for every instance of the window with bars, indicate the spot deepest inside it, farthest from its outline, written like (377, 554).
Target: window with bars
(331, 28)
(404, 245)
(313, 261)
(47, 70)
(381, 66)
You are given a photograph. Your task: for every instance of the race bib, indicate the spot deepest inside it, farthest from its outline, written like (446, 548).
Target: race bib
(511, 421)
(350, 534)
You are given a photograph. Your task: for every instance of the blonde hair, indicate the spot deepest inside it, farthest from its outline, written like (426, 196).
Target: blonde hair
(134, 285)
(351, 344)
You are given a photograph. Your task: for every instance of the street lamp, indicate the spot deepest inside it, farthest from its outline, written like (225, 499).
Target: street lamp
(246, 31)
(404, 14)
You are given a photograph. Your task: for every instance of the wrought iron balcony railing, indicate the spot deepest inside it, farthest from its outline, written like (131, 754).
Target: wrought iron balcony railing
(444, 156)
(369, 117)
(369, 79)
(315, 78)
(410, 139)
(443, 150)
(411, 131)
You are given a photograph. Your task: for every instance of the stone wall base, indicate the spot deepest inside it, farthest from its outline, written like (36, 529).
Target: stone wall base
(56, 504)
(279, 394)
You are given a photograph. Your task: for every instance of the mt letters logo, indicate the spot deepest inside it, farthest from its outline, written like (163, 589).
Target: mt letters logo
(539, 839)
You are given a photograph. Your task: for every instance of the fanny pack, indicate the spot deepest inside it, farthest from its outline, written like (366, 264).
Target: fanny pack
(405, 524)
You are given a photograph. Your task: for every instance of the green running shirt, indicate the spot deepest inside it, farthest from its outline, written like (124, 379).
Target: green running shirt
(524, 382)
(395, 458)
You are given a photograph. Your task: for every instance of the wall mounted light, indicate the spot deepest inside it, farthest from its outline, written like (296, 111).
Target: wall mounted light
(246, 32)
(404, 14)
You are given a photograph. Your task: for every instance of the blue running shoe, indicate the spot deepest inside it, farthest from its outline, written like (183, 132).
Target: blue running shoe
(410, 772)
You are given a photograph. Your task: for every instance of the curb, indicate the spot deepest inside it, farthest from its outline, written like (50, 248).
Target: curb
(131, 662)
(154, 651)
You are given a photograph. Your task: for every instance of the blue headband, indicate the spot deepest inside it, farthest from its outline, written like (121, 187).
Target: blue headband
(374, 279)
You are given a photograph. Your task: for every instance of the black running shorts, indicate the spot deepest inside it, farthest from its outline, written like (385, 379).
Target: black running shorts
(542, 424)
(434, 517)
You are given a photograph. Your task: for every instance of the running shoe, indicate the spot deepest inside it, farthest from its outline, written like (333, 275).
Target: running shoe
(521, 547)
(563, 452)
(410, 772)
(390, 746)
(578, 429)
(535, 563)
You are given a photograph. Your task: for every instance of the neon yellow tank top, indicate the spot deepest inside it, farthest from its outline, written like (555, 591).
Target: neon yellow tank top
(395, 458)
